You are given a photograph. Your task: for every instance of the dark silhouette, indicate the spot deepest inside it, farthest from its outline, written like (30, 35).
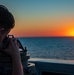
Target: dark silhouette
(7, 22)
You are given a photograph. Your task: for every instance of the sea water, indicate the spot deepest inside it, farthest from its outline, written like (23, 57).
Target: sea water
(49, 47)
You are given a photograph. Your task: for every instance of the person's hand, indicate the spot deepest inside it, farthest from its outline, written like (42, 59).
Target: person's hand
(13, 48)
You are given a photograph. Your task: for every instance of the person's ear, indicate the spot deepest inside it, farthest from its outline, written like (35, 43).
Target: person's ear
(1, 30)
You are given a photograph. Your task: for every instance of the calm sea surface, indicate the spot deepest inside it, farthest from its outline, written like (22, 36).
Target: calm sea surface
(49, 47)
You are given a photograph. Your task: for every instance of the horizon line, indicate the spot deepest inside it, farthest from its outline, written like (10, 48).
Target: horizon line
(41, 36)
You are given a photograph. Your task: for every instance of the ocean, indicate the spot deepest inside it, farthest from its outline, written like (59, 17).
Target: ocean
(49, 47)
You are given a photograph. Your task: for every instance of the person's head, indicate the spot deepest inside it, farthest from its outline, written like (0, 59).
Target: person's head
(7, 21)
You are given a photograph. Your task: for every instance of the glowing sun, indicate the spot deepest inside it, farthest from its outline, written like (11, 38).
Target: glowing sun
(71, 33)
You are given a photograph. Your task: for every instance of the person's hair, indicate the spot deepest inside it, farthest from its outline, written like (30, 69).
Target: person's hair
(6, 18)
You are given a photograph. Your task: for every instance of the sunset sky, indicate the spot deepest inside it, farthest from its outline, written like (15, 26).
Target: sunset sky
(34, 18)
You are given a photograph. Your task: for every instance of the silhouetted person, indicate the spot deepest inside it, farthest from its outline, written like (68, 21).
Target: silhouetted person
(7, 22)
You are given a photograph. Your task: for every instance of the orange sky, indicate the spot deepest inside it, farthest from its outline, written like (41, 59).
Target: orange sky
(61, 26)
(42, 17)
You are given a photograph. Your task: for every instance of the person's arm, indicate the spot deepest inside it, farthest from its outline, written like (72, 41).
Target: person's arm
(13, 50)
(17, 68)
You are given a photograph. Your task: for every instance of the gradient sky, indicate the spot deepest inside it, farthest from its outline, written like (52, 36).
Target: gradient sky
(42, 17)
